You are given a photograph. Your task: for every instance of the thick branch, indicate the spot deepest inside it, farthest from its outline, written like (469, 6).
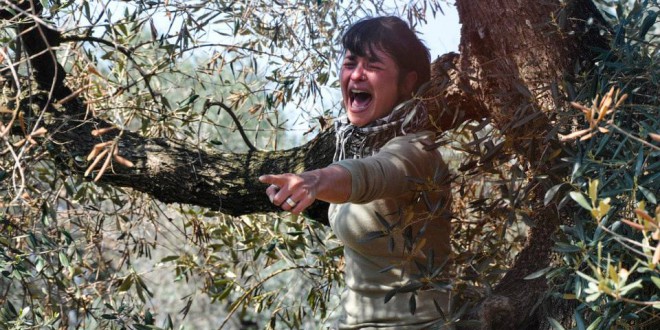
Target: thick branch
(38, 41)
(176, 173)
(450, 97)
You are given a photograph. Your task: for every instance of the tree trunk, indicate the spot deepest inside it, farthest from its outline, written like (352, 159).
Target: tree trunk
(516, 64)
(523, 56)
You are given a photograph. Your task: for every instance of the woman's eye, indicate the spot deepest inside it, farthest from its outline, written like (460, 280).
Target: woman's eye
(372, 66)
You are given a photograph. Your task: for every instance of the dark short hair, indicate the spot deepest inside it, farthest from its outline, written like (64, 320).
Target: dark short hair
(393, 36)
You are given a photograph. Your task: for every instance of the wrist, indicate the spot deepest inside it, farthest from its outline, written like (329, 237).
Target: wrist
(333, 184)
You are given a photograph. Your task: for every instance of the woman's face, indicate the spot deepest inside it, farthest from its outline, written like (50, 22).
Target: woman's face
(371, 87)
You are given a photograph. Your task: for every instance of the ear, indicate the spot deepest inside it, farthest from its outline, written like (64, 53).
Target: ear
(409, 83)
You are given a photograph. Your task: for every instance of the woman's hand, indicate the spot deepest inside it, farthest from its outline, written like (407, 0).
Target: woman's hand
(296, 192)
(290, 191)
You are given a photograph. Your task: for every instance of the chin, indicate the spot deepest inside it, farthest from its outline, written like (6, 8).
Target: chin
(359, 122)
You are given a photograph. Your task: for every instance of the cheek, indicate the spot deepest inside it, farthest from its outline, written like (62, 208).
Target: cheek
(344, 92)
(389, 93)
(343, 81)
(344, 87)
(344, 75)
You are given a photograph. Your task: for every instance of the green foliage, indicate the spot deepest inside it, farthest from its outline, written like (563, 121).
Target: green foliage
(491, 207)
(266, 262)
(610, 252)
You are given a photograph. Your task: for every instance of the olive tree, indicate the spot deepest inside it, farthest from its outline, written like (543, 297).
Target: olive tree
(110, 107)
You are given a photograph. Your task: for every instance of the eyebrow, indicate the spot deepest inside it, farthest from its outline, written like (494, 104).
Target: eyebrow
(371, 58)
(351, 57)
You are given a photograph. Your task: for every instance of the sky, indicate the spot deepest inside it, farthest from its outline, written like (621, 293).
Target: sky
(442, 33)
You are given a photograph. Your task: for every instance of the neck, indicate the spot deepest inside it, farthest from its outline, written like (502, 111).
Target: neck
(358, 142)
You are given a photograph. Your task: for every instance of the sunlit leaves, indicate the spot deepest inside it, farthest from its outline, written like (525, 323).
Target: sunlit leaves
(612, 281)
(598, 208)
(611, 248)
(596, 114)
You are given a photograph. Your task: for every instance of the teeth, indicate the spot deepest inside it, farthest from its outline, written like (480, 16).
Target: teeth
(355, 91)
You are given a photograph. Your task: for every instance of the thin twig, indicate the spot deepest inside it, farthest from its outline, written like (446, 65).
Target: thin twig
(633, 137)
(127, 52)
(624, 240)
(254, 287)
(209, 104)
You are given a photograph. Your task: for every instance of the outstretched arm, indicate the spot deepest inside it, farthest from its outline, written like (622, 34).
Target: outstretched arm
(330, 184)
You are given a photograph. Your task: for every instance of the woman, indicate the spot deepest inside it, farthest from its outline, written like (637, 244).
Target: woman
(385, 207)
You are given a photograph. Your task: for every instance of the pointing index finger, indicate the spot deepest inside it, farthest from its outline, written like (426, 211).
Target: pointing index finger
(267, 178)
(278, 180)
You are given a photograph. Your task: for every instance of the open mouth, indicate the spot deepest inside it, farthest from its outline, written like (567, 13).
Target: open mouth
(359, 99)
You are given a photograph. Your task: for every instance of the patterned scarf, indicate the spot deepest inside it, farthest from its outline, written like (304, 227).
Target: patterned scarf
(354, 142)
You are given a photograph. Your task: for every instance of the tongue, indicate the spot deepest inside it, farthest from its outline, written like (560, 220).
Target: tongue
(361, 100)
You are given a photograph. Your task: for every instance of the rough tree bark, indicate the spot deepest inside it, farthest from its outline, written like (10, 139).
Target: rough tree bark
(523, 56)
(516, 59)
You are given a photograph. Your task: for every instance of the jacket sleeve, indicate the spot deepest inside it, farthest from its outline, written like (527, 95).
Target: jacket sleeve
(388, 173)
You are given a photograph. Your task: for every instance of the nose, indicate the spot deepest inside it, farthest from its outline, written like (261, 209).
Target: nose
(358, 73)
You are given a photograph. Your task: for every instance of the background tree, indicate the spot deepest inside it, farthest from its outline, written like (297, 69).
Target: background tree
(142, 100)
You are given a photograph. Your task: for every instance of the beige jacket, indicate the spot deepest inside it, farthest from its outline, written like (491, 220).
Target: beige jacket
(381, 184)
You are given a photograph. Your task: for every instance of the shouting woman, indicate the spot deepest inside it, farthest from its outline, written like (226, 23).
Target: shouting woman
(385, 207)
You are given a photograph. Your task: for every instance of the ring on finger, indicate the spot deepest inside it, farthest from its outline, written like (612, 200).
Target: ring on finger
(291, 202)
